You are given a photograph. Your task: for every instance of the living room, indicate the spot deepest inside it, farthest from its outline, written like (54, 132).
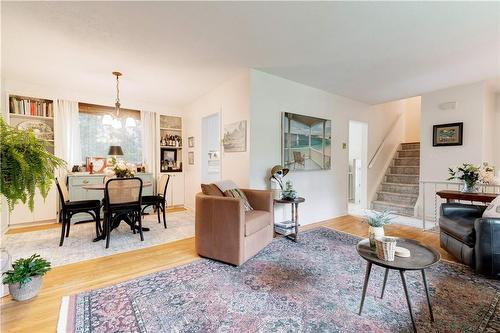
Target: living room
(255, 101)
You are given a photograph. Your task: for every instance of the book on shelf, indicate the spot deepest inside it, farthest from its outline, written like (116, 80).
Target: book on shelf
(30, 107)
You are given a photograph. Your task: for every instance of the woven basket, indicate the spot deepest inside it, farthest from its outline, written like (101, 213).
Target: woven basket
(386, 247)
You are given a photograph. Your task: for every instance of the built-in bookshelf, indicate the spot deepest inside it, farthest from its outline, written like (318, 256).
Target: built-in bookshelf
(31, 113)
(30, 106)
(170, 144)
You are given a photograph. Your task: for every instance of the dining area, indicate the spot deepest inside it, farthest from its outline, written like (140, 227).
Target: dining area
(122, 200)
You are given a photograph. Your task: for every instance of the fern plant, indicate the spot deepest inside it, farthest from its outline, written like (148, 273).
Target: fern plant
(25, 166)
(25, 268)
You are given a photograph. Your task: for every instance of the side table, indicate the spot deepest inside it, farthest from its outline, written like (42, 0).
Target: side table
(291, 230)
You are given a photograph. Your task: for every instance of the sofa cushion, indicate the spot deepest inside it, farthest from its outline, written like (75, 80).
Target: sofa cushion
(256, 220)
(460, 228)
(211, 189)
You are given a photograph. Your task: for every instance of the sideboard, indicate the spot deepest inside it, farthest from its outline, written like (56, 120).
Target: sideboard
(76, 192)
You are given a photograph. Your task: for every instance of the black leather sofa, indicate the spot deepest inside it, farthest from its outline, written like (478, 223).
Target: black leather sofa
(473, 240)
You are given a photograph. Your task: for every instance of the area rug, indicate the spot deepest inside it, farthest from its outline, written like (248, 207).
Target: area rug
(310, 286)
(79, 246)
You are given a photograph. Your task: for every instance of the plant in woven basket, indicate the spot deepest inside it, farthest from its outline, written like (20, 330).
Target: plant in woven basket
(26, 165)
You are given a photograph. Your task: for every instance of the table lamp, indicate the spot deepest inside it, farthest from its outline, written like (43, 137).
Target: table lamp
(115, 151)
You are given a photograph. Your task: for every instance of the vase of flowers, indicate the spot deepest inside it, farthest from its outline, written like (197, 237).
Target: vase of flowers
(122, 169)
(376, 222)
(25, 277)
(471, 175)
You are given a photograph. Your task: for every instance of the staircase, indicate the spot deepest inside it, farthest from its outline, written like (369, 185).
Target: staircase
(398, 192)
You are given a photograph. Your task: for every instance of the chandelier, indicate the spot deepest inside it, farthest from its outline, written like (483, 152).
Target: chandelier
(115, 121)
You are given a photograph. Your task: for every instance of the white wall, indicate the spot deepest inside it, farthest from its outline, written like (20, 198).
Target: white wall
(434, 161)
(325, 190)
(231, 99)
(412, 115)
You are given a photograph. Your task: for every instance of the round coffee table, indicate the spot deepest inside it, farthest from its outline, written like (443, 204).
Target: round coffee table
(422, 257)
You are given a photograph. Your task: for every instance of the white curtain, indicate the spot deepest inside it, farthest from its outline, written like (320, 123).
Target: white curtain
(149, 147)
(67, 131)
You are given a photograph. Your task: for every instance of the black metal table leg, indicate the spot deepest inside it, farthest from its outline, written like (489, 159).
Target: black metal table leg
(365, 286)
(427, 294)
(403, 279)
(385, 282)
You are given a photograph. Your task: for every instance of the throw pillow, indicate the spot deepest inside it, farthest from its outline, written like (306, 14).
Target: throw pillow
(493, 209)
(211, 189)
(237, 193)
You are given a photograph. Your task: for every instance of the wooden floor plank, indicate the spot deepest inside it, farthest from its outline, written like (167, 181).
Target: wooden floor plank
(41, 313)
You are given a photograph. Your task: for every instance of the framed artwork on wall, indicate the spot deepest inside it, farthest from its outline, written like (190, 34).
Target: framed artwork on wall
(235, 137)
(191, 158)
(191, 142)
(98, 164)
(305, 142)
(447, 134)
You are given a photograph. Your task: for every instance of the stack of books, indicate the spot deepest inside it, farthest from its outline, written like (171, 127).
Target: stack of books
(284, 228)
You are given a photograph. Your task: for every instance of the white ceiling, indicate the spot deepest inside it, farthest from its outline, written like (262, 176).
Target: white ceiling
(172, 53)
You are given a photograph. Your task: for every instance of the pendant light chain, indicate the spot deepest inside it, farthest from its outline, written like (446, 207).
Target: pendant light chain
(117, 103)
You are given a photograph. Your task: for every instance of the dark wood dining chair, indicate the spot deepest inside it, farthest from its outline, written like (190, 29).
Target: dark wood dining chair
(122, 202)
(158, 201)
(70, 208)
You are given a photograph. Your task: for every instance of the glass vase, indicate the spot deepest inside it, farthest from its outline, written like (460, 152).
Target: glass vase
(469, 187)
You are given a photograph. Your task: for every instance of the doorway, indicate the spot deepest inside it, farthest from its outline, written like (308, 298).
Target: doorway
(210, 149)
(358, 162)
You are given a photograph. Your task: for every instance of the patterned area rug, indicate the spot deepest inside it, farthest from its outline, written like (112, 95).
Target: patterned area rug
(311, 286)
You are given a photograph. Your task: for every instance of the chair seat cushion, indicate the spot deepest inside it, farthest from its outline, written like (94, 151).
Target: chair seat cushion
(460, 228)
(256, 220)
(151, 199)
(82, 204)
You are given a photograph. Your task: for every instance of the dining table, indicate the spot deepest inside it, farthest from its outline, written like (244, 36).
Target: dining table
(124, 217)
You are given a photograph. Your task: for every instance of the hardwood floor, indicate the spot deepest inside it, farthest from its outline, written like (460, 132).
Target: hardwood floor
(41, 313)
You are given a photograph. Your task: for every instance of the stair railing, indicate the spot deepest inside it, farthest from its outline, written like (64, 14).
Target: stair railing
(381, 145)
(432, 202)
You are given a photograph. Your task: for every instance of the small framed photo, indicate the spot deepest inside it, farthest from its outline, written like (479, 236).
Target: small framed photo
(98, 164)
(448, 134)
(191, 142)
(191, 158)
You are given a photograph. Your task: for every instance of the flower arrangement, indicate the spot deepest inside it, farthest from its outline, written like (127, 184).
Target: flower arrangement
(471, 175)
(121, 169)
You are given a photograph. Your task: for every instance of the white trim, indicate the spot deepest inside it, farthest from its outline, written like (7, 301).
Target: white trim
(63, 315)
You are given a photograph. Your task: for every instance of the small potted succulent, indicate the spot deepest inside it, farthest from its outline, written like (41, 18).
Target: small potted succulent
(376, 222)
(25, 277)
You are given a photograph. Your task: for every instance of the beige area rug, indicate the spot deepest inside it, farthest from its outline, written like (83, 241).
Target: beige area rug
(79, 246)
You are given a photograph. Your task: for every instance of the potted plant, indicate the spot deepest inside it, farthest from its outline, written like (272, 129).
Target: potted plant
(471, 175)
(376, 223)
(26, 166)
(25, 277)
(288, 192)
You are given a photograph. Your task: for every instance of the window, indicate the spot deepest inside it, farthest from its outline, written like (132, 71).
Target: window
(95, 138)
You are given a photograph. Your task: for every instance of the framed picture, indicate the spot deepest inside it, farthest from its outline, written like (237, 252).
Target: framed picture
(235, 137)
(191, 142)
(305, 142)
(191, 158)
(99, 164)
(447, 134)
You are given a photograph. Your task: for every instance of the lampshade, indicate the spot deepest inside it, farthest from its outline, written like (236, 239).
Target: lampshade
(117, 123)
(130, 122)
(115, 151)
(107, 120)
